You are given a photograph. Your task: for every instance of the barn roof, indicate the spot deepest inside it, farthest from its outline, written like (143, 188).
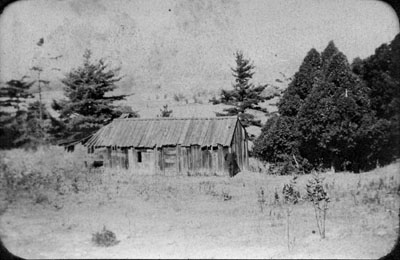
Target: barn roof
(152, 132)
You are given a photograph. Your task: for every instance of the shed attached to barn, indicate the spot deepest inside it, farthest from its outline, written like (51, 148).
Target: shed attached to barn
(172, 146)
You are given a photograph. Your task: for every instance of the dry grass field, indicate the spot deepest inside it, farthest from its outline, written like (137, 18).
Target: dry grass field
(50, 207)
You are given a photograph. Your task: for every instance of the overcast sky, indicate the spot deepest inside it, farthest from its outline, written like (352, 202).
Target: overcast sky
(186, 44)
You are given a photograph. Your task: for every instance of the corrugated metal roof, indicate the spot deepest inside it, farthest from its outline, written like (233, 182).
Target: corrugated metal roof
(151, 132)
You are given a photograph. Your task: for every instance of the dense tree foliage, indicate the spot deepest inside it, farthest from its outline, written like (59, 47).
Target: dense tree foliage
(87, 107)
(21, 124)
(327, 54)
(278, 140)
(13, 102)
(308, 75)
(332, 116)
(15, 94)
(336, 115)
(35, 132)
(380, 72)
(244, 95)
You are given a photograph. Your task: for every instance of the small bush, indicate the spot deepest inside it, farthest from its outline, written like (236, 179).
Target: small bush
(41, 198)
(214, 100)
(179, 97)
(290, 165)
(255, 165)
(261, 198)
(226, 196)
(165, 112)
(105, 238)
(291, 197)
(46, 169)
(276, 198)
(317, 195)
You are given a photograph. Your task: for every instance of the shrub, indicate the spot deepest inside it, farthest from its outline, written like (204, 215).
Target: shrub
(261, 198)
(291, 197)
(255, 165)
(317, 195)
(105, 238)
(226, 196)
(277, 140)
(290, 165)
(46, 169)
(178, 97)
(41, 198)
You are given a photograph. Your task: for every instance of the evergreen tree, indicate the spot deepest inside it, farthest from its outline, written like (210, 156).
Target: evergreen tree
(347, 118)
(35, 132)
(380, 72)
(15, 93)
(327, 54)
(332, 116)
(304, 80)
(87, 107)
(278, 139)
(13, 104)
(244, 94)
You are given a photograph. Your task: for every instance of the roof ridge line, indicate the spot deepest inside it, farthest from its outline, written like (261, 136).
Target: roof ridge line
(176, 118)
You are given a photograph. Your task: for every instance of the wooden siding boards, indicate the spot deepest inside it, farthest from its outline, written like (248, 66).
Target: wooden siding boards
(171, 146)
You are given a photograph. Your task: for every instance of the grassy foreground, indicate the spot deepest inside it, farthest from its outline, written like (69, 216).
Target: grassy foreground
(52, 207)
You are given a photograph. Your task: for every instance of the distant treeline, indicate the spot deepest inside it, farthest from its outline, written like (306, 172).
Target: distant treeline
(336, 114)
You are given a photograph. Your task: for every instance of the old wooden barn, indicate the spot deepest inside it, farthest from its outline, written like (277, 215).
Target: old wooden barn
(172, 146)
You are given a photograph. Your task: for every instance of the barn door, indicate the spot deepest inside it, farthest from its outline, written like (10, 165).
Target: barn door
(170, 161)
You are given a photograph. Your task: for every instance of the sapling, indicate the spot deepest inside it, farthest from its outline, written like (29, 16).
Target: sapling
(261, 199)
(317, 195)
(290, 197)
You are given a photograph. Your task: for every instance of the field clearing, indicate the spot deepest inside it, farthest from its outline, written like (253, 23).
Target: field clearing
(203, 217)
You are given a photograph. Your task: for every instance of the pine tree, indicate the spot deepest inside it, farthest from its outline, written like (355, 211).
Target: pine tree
(15, 93)
(244, 95)
(87, 108)
(13, 103)
(35, 132)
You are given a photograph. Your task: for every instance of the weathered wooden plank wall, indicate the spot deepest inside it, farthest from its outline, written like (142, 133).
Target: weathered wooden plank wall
(169, 161)
(179, 160)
